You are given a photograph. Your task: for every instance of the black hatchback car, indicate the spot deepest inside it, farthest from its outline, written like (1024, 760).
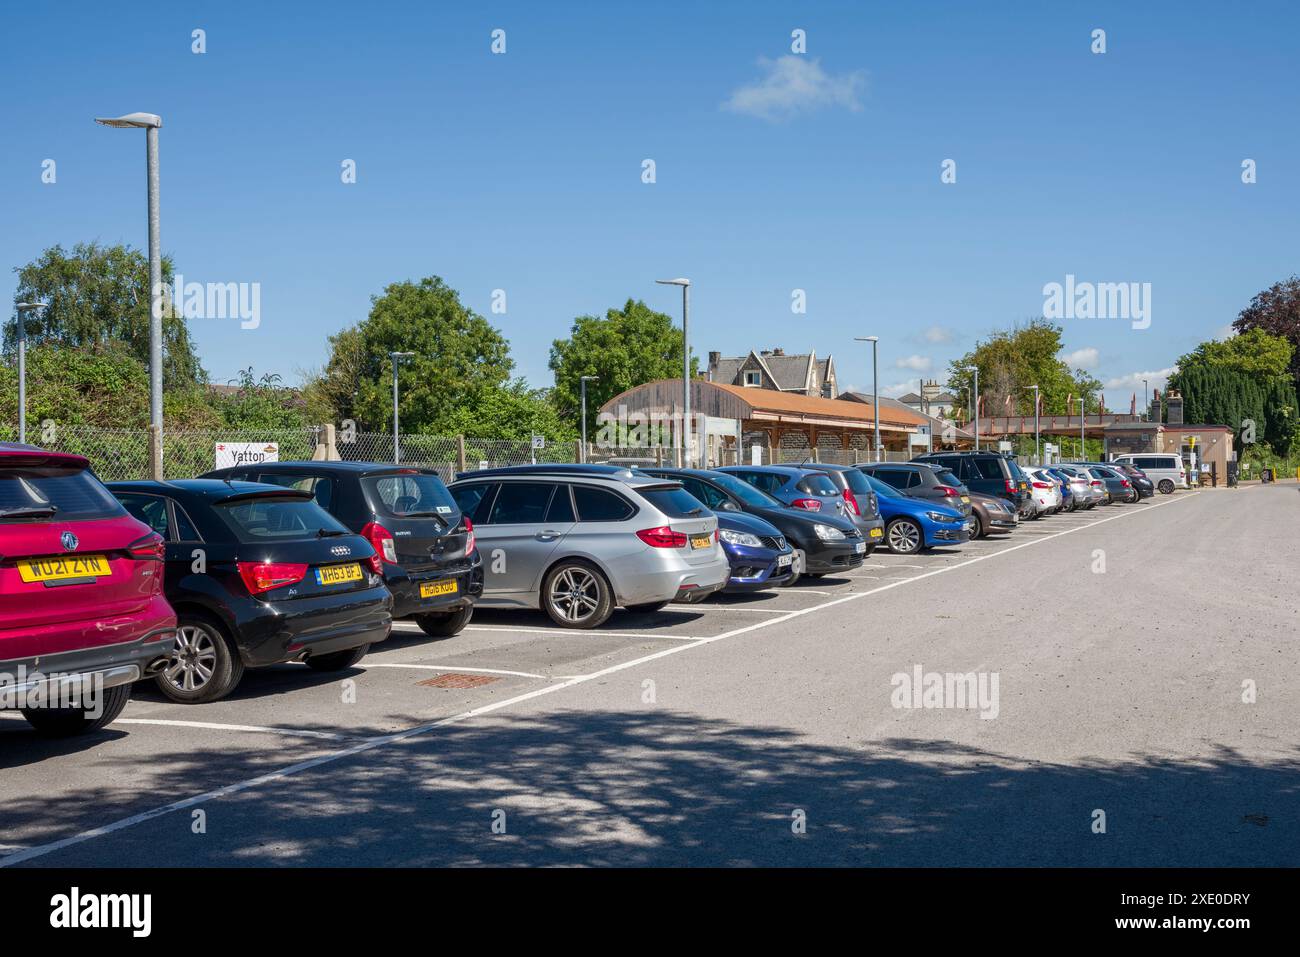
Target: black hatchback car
(257, 575)
(828, 543)
(426, 546)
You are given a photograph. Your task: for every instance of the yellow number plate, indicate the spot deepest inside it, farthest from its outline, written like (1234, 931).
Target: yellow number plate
(433, 589)
(877, 533)
(701, 541)
(338, 574)
(61, 569)
(966, 499)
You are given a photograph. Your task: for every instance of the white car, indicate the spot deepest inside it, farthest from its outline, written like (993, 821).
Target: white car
(1044, 490)
(1164, 469)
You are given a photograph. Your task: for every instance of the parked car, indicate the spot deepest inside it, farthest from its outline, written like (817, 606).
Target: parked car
(805, 487)
(1118, 487)
(1044, 490)
(823, 544)
(913, 524)
(759, 555)
(258, 575)
(863, 508)
(576, 541)
(1141, 481)
(921, 480)
(992, 514)
(1093, 486)
(987, 472)
(425, 544)
(82, 610)
(1165, 469)
(1080, 492)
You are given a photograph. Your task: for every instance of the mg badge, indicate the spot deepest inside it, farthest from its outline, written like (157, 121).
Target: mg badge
(69, 541)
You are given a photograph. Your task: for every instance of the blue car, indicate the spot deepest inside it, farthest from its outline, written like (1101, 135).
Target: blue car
(808, 488)
(913, 524)
(759, 554)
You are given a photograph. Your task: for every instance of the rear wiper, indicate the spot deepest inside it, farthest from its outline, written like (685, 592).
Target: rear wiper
(332, 532)
(28, 511)
(696, 511)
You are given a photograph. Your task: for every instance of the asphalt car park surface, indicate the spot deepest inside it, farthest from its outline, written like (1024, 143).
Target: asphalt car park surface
(692, 735)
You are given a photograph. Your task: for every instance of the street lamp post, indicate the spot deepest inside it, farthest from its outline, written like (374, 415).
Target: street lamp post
(395, 358)
(151, 123)
(22, 365)
(686, 364)
(875, 387)
(975, 402)
(584, 380)
(1146, 401)
(1037, 454)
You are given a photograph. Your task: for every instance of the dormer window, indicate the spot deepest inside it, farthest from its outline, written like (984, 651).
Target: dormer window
(753, 378)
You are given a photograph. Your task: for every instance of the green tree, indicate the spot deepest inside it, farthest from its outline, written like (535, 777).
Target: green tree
(99, 295)
(260, 403)
(510, 411)
(1253, 352)
(1010, 361)
(459, 357)
(1276, 311)
(1261, 409)
(626, 348)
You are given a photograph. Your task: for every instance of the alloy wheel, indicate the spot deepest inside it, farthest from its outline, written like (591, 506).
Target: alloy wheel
(575, 593)
(904, 537)
(193, 661)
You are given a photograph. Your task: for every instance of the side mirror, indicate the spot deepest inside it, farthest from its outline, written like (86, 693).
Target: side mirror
(729, 506)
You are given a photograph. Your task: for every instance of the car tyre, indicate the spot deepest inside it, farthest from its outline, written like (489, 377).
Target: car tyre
(981, 530)
(338, 660)
(66, 722)
(445, 624)
(576, 595)
(205, 664)
(904, 536)
(1166, 487)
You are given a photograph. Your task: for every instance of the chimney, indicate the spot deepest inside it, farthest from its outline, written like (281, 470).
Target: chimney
(1155, 406)
(778, 351)
(765, 352)
(1174, 400)
(715, 358)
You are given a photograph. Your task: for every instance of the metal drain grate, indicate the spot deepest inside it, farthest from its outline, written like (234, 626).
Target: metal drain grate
(456, 679)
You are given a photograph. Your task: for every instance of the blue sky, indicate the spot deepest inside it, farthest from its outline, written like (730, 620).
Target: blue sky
(523, 171)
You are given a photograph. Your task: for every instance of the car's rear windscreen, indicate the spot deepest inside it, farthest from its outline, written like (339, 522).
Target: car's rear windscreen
(269, 518)
(410, 495)
(857, 482)
(674, 501)
(66, 494)
(819, 484)
(946, 477)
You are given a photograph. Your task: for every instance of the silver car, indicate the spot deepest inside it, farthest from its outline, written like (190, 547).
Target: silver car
(576, 541)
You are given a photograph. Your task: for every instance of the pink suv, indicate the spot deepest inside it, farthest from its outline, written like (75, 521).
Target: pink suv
(82, 612)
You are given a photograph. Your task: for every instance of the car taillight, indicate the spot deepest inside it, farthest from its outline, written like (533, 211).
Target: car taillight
(1041, 485)
(946, 490)
(263, 576)
(471, 541)
(1096, 481)
(382, 540)
(852, 500)
(717, 535)
(662, 537)
(1124, 482)
(812, 504)
(375, 564)
(1011, 487)
(150, 548)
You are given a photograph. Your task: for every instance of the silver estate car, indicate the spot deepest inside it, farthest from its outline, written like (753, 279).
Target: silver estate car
(578, 540)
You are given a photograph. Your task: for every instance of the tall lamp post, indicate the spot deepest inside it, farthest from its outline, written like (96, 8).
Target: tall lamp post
(1037, 454)
(584, 380)
(875, 387)
(22, 365)
(975, 402)
(686, 364)
(396, 358)
(151, 123)
(1146, 401)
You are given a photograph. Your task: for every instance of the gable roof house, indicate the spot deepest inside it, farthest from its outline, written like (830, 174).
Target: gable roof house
(801, 374)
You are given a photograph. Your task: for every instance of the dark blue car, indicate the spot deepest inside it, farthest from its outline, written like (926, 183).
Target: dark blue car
(912, 524)
(759, 554)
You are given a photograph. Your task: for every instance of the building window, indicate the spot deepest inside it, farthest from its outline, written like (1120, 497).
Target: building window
(753, 378)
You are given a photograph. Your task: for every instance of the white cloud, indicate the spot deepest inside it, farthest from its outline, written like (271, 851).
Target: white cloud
(1133, 380)
(1081, 358)
(938, 334)
(894, 391)
(1225, 332)
(795, 84)
(916, 363)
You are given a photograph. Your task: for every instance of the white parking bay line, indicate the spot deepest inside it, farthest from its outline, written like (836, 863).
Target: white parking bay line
(253, 728)
(450, 668)
(369, 744)
(569, 632)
